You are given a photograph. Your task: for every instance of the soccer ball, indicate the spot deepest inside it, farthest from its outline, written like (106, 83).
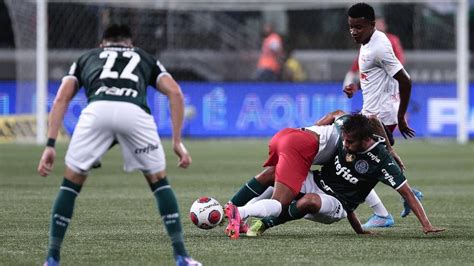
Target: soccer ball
(206, 213)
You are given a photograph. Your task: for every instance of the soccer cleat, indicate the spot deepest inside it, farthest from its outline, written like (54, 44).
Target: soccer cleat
(96, 165)
(244, 226)
(379, 221)
(186, 261)
(50, 261)
(406, 208)
(256, 229)
(233, 217)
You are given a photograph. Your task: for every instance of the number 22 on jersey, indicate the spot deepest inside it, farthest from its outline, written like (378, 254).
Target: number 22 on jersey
(127, 71)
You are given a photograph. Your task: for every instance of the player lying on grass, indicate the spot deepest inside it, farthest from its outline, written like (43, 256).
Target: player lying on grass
(291, 154)
(292, 151)
(360, 162)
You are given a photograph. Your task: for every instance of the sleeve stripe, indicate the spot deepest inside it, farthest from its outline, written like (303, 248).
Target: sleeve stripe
(162, 75)
(403, 183)
(71, 77)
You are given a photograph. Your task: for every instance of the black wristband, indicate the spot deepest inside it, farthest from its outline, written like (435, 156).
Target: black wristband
(51, 142)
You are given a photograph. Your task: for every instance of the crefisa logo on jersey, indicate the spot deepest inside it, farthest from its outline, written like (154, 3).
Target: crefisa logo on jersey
(361, 166)
(389, 177)
(373, 157)
(344, 172)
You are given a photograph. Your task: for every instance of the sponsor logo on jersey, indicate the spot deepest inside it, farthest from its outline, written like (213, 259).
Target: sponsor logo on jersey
(350, 157)
(344, 172)
(363, 76)
(388, 177)
(373, 157)
(146, 149)
(361, 166)
(117, 91)
(325, 187)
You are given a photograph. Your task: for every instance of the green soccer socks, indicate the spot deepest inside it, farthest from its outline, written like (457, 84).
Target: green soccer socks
(61, 216)
(251, 189)
(168, 207)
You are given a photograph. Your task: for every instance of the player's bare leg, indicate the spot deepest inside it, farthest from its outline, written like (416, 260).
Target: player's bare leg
(282, 194)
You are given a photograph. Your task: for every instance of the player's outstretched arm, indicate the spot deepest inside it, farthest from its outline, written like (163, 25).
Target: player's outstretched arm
(417, 208)
(355, 223)
(329, 118)
(66, 92)
(404, 82)
(169, 87)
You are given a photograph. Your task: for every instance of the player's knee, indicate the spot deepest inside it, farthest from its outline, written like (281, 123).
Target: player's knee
(75, 177)
(310, 203)
(155, 177)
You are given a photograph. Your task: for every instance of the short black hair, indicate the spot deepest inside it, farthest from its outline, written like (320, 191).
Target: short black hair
(117, 33)
(359, 126)
(362, 10)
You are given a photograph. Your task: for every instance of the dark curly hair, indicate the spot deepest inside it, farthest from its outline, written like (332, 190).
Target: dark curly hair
(358, 126)
(362, 10)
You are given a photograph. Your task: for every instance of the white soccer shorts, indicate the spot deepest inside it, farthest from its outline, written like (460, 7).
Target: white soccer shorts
(102, 122)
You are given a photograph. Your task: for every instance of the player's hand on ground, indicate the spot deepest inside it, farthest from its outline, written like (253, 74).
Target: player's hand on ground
(47, 161)
(432, 229)
(183, 155)
(350, 89)
(367, 232)
(404, 128)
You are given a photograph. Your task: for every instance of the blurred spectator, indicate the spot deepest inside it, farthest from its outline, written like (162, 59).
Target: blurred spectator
(293, 71)
(352, 75)
(271, 57)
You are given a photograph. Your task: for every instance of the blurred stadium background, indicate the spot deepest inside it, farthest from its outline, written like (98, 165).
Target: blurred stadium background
(211, 48)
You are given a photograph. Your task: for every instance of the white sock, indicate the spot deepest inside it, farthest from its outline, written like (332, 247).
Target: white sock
(260, 209)
(376, 204)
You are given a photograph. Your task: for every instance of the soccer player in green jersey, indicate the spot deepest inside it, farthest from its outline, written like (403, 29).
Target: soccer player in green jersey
(360, 162)
(115, 78)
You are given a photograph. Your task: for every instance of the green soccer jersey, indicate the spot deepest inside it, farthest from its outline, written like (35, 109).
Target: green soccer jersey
(350, 177)
(117, 73)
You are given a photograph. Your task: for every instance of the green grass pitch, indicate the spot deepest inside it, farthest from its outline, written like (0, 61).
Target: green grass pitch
(116, 221)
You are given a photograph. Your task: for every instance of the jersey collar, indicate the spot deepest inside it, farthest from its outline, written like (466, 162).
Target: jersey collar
(378, 139)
